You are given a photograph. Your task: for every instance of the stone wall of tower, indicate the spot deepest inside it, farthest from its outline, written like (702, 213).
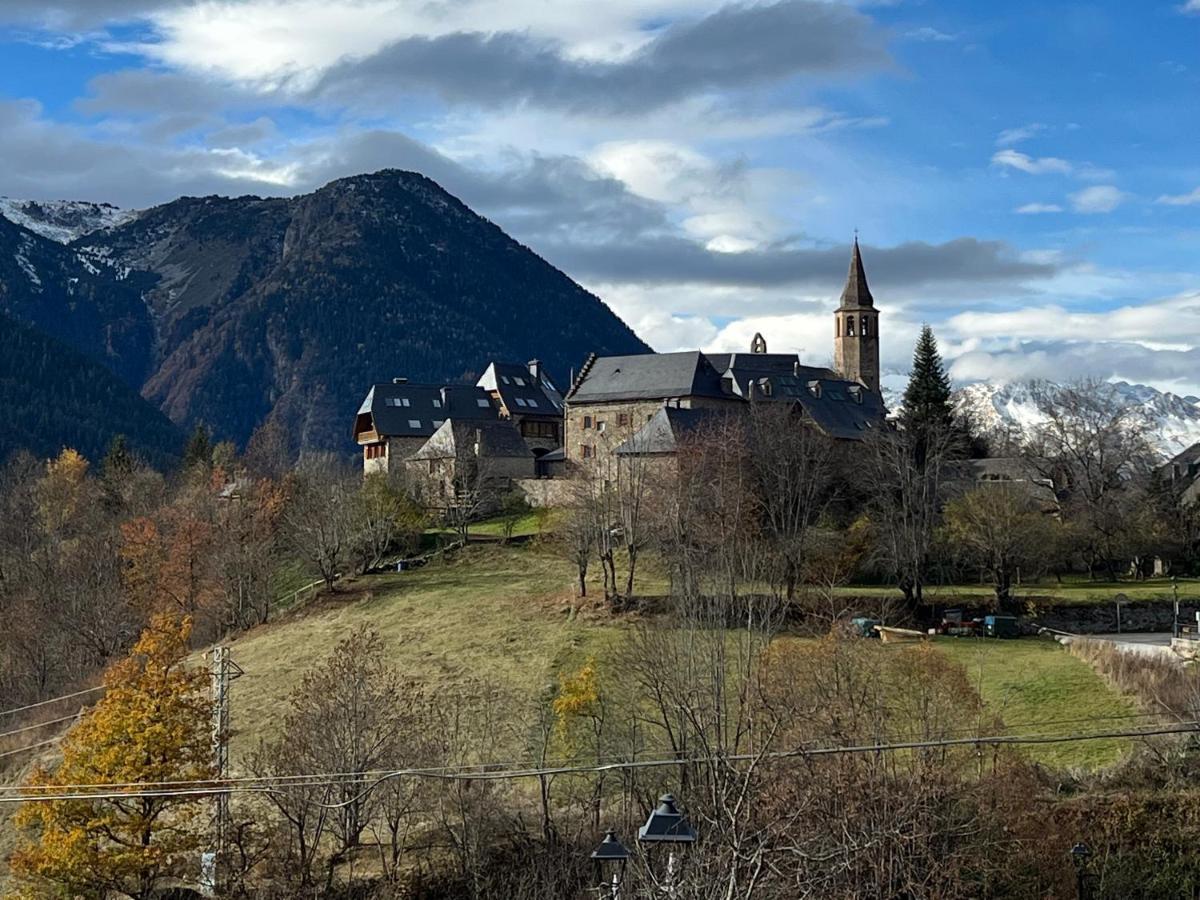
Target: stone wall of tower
(856, 345)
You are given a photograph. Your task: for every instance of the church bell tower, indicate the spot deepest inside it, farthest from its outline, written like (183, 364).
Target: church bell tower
(856, 329)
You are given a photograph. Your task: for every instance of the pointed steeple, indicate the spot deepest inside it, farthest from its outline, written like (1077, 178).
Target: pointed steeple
(856, 293)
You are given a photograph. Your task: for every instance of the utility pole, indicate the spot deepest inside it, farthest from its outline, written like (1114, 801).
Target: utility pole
(223, 671)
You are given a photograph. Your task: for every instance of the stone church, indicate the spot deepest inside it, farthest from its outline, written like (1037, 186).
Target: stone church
(633, 405)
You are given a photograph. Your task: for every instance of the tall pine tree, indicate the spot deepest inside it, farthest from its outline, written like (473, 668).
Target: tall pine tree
(927, 406)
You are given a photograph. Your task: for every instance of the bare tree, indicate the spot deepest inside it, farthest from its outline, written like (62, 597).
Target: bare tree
(903, 473)
(319, 518)
(1096, 447)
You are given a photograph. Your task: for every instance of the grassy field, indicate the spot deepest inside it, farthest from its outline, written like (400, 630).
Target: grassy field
(506, 616)
(1032, 681)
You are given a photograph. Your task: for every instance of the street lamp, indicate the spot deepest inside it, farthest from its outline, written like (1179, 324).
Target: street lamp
(1080, 854)
(610, 852)
(667, 825)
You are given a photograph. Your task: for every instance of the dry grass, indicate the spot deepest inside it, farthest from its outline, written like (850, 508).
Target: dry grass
(1157, 684)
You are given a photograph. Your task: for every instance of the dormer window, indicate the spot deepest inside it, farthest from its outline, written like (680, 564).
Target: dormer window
(814, 388)
(855, 389)
(849, 326)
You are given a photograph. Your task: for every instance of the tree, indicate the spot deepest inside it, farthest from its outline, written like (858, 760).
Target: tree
(1096, 448)
(352, 714)
(152, 725)
(384, 518)
(927, 398)
(903, 472)
(1002, 529)
(319, 518)
(199, 450)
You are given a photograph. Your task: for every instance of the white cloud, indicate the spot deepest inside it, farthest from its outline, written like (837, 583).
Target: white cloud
(1011, 136)
(1015, 159)
(1030, 209)
(264, 41)
(926, 33)
(1192, 6)
(1102, 198)
(1181, 199)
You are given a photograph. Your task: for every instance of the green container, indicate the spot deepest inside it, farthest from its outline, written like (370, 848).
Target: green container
(1000, 626)
(865, 627)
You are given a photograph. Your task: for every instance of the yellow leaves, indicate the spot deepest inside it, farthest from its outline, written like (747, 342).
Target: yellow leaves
(578, 697)
(152, 725)
(61, 490)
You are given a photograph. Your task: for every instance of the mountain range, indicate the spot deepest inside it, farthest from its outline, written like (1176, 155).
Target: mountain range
(234, 311)
(1012, 408)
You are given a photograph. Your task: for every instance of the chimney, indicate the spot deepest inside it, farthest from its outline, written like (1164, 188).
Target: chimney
(399, 381)
(796, 368)
(535, 369)
(445, 396)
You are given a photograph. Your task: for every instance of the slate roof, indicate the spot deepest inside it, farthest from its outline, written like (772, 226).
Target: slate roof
(856, 293)
(665, 429)
(648, 376)
(520, 391)
(394, 408)
(499, 439)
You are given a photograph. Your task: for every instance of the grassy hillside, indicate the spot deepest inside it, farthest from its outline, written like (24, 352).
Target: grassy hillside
(505, 616)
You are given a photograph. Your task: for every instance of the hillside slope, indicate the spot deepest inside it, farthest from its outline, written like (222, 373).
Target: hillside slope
(94, 308)
(52, 397)
(291, 308)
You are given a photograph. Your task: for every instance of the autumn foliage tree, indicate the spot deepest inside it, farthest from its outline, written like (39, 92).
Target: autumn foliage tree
(151, 726)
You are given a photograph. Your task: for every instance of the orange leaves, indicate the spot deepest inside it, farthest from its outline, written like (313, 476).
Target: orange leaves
(168, 561)
(151, 726)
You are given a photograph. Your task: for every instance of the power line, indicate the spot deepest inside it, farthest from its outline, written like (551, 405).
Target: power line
(276, 786)
(19, 709)
(8, 753)
(46, 724)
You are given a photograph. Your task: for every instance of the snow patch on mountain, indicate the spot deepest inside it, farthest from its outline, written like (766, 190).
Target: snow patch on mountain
(1013, 407)
(64, 220)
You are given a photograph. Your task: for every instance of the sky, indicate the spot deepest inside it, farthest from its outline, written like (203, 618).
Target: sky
(1023, 176)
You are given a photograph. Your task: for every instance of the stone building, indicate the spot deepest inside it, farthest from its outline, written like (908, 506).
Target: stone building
(397, 419)
(527, 397)
(470, 463)
(616, 401)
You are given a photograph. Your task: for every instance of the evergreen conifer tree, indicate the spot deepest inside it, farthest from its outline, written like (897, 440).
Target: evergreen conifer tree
(199, 449)
(927, 404)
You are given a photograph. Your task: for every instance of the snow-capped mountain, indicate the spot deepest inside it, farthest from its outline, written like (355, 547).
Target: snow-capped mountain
(64, 220)
(1012, 407)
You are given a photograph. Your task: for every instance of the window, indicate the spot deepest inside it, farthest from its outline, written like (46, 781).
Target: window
(374, 451)
(600, 426)
(483, 404)
(404, 401)
(622, 420)
(520, 381)
(866, 326)
(414, 423)
(437, 404)
(437, 423)
(849, 326)
(587, 421)
(504, 378)
(532, 402)
(587, 451)
(520, 402)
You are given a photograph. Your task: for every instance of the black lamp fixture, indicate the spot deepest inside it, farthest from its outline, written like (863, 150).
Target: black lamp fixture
(610, 856)
(1080, 854)
(667, 824)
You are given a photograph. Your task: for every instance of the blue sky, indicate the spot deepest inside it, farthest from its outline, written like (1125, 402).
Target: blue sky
(1024, 176)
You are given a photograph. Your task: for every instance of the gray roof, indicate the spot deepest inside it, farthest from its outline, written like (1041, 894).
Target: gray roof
(520, 391)
(495, 440)
(394, 408)
(842, 409)
(648, 376)
(665, 429)
(856, 293)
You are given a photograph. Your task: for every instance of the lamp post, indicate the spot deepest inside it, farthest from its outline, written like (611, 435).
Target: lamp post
(667, 825)
(610, 852)
(1080, 854)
